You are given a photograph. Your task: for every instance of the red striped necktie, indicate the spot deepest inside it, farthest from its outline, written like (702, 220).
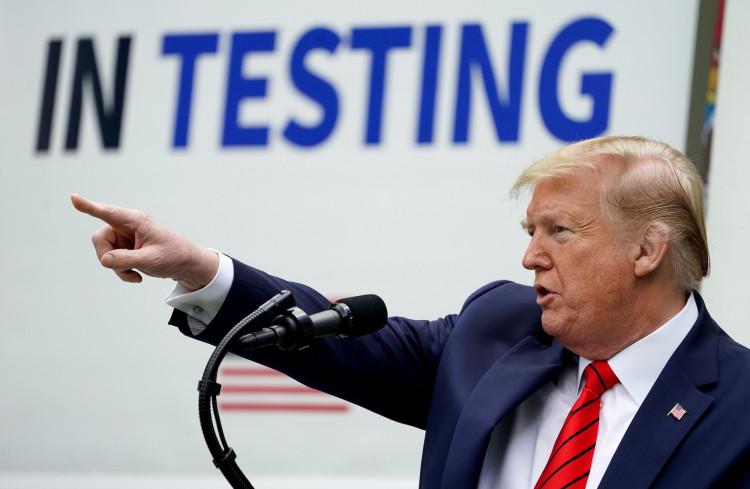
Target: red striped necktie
(569, 464)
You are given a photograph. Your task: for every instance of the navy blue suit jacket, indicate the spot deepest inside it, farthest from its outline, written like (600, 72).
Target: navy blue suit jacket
(458, 376)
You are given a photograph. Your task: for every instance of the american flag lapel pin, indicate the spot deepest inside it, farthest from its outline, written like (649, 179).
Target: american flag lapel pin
(677, 411)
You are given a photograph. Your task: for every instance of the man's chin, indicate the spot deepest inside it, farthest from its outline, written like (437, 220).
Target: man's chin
(554, 325)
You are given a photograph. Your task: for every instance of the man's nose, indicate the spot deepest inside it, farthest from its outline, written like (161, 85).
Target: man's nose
(535, 256)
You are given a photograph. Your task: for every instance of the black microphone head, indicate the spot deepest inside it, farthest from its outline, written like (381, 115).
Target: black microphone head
(367, 313)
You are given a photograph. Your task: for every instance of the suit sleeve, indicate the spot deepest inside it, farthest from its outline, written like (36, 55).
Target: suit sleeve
(390, 372)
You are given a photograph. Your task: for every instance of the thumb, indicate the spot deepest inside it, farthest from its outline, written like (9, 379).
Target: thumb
(121, 259)
(121, 262)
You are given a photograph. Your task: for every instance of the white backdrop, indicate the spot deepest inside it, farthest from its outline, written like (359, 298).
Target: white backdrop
(729, 203)
(95, 382)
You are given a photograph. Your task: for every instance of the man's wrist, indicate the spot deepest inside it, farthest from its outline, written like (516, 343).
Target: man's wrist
(203, 273)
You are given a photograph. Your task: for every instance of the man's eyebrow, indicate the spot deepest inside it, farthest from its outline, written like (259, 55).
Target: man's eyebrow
(525, 224)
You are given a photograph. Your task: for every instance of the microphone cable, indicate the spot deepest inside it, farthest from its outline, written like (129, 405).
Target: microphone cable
(208, 389)
(291, 330)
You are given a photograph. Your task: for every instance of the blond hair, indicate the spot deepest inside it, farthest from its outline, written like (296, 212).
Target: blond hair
(657, 185)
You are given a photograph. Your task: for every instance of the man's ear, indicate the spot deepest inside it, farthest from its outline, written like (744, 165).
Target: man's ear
(653, 248)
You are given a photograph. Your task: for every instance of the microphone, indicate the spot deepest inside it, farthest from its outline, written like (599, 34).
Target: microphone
(346, 318)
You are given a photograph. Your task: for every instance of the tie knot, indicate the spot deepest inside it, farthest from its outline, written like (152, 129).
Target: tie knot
(600, 377)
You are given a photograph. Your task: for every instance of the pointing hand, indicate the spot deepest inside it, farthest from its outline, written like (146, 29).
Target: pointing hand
(131, 241)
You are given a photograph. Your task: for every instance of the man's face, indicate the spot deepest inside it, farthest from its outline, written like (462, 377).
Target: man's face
(583, 276)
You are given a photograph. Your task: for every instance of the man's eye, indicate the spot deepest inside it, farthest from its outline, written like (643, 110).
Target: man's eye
(560, 229)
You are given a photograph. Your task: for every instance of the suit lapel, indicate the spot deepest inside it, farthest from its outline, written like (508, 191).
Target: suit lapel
(512, 378)
(653, 435)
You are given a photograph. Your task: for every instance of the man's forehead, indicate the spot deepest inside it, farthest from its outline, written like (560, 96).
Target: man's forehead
(559, 199)
(584, 183)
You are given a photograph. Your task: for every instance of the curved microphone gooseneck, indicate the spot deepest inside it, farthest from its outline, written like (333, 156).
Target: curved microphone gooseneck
(292, 330)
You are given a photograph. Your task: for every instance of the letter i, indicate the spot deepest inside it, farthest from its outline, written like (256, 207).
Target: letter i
(46, 111)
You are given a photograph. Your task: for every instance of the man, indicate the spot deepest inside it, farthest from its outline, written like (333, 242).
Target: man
(617, 244)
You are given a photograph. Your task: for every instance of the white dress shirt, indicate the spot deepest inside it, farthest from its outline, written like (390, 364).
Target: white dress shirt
(521, 444)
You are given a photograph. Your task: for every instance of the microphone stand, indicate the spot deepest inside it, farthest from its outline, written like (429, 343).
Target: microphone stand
(293, 329)
(208, 389)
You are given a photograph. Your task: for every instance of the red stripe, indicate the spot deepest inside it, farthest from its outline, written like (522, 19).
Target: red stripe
(249, 371)
(270, 389)
(252, 406)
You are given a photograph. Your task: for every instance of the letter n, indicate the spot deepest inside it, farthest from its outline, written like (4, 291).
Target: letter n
(86, 73)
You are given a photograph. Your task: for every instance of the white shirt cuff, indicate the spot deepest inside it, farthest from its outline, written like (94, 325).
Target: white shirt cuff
(203, 304)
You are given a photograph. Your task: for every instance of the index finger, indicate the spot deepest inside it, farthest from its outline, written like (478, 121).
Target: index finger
(108, 213)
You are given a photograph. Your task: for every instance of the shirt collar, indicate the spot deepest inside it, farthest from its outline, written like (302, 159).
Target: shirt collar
(639, 365)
